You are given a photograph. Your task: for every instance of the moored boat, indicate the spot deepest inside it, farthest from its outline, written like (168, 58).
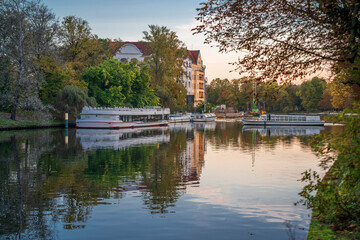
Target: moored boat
(116, 118)
(285, 120)
(203, 117)
(176, 118)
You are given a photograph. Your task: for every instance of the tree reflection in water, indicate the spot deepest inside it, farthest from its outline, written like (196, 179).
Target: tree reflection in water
(44, 181)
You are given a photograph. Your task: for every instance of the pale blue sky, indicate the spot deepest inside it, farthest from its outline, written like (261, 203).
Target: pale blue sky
(128, 19)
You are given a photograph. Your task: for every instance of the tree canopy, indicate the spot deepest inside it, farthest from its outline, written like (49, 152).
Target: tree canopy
(113, 83)
(283, 40)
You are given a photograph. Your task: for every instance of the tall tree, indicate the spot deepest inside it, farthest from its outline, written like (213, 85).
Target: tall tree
(165, 65)
(79, 47)
(26, 29)
(283, 39)
(311, 93)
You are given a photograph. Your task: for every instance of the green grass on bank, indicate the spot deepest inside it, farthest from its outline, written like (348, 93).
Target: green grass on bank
(8, 123)
(320, 231)
(23, 122)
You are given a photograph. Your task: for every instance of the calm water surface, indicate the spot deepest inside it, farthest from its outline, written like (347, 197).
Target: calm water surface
(185, 181)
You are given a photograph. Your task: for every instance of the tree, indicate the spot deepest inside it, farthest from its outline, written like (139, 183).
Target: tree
(79, 48)
(57, 77)
(218, 92)
(26, 30)
(345, 89)
(113, 83)
(283, 40)
(325, 102)
(311, 92)
(165, 66)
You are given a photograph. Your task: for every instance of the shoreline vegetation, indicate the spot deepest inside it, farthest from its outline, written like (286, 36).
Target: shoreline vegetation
(335, 198)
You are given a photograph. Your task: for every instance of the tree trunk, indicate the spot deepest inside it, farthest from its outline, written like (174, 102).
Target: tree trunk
(17, 93)
(20, 69)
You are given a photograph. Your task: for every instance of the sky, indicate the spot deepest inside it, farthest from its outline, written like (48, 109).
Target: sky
(126, 20)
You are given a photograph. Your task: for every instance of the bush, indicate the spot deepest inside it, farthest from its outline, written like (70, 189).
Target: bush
(72, 99)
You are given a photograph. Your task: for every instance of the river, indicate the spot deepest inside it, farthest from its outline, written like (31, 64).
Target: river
(186, 181)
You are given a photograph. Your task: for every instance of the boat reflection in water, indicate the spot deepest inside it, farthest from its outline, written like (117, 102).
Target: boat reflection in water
(285, 130)
(187, 126)
(123, 138)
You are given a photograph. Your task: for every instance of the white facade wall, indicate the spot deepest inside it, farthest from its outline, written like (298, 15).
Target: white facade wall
(128, 52)
(187, 81)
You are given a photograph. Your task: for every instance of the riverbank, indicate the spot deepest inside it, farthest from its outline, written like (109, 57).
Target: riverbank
(25, 122)
(335, 205)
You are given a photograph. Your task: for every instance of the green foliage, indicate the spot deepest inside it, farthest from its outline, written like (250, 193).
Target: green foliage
(318, 230)
(165, 66)
(311, 92)
(71, 99)
(338, 193)
(218, 92)
(238, 94)
(204, 107)
(57, 77)
(113, 83)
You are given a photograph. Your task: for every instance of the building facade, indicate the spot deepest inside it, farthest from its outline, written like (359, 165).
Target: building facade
(197, 76)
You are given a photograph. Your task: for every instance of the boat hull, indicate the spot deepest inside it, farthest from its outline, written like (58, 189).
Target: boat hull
(203, 120)
(203, 117)
(179, 119)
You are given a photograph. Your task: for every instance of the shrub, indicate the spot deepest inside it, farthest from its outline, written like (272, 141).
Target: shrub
(72, 99)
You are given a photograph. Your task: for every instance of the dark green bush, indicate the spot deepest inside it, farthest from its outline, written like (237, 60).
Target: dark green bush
(72, 99)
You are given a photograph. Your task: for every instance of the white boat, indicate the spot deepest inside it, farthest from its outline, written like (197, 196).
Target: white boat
(203, 117)
(284, 120)
(116, 118)
(176, 118)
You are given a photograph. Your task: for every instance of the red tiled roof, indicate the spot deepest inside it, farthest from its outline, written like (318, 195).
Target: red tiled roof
(194, 54)
(142, 46)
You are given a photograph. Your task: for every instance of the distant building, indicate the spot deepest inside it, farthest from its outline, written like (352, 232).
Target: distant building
(197, 76)
(132, 50)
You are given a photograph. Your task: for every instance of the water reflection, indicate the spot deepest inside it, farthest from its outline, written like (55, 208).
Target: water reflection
(285, 130)
(104, 178)
(118, 139)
